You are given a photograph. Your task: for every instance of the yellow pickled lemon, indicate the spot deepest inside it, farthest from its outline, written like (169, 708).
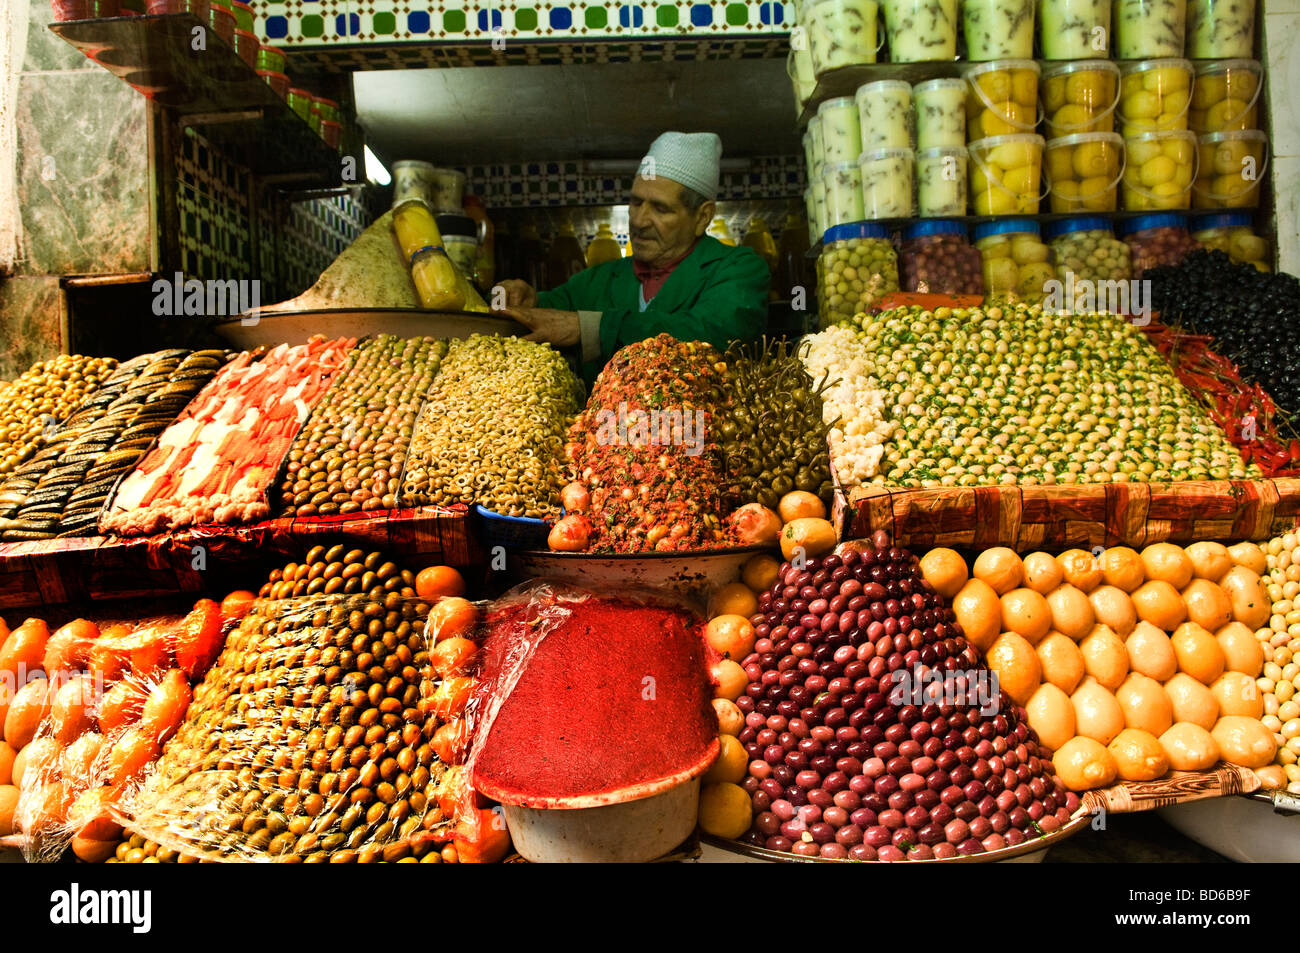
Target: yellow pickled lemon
(1083, 764)
(1167, 78)
(1130, 84)
(1097, 714)
(979, 181)
(1070, 119)
(1094, 158)
(1011, 155)
(1022, 180)
(993, 203)
(1061, 661)
(1207, 604)
(1000, 274)
(1169, 195)
(1244, 246)
(1192, 702)
(1024, 250)
(1189, 747)
(1138, 755)
(1157, 170)
(1173, 109)
(1000, 567)
(1145, 704)
(1229, 114)
(1033, 278)
(731, 764)
(725, 810)
(1088, 88)
(1242, 85)
(1210, 88)
(1098, 193)
(1238, 694)
(1250, 556)
(1151, 653)
(1141, 106)
(1198, 653)
(1167, 562)
(1141, 151)
(996, 248)
(1112, 606)
(1051, 715)
(1024, 88)
(1072, 612)
(1104, 657)
(1027, 203)
(994, 122)
(995, 85)
(1178, 148)
(1060, 165)
(1244, 741)
(1231, 190)
(1017, 666)
(1159, 603)
(1054, 95)
(1209, 560)
(1242, 652)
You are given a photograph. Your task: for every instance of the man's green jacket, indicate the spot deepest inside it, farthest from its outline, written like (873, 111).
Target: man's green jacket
(718, 293)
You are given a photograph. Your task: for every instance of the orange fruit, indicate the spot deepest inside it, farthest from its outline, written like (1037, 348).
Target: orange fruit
(130, 754)
(1016, 664)
(1191, 701)
(453, 656)
(78, 758)
(1112, 606)
(1151, 653)
(1104, 657)
(1190, 747)
(1001, 568)
(38, 761)
(1042, 572)
(452, 616)
(31, 706)
(1051, 715)
(735, 598)
(798, 504)
(1138, 755)
(1238, 694)
(1209, 560)
(1198, 653)
(1242, 652)
(1061, 660)
(729, 679)
(730, 764)
(1097, 714)
(1121, 567)
(1250, 556)
(7, 755)
(979, 612)
(731, 720)
(68, 649)
(236, 605)
(945, 571)
(1083, 764)
(1081, 569)
(164, 709)
(1244, 741)
(1145, 704)
(8, 808)
(1207, 604)
(1159, 603)
(434, 582)
(810, 535)
(761, 572)
(1026, 613)
(121, 705)
(1072, 612)
(1167, 562)
(70, 713)
(725, 810)
(1250, 602)
(731, 636)
(450, 697)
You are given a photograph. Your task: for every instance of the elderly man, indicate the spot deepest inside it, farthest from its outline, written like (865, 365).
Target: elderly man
(678, 280)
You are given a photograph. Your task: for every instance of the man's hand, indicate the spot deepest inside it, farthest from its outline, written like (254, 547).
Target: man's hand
(519, 294)
(547, 324)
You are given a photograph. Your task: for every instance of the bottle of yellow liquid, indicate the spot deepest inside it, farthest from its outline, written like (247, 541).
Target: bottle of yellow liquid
(720, 231)
(438, 284)
(603, 248)
(760, 239)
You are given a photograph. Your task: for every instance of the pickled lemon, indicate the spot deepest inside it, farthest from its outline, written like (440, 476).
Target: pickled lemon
(1093, 88)
(1097, 714)
(1167, 79)
(1051, 715)
(1151, 653)
(1138, 755)
(1198, 653)
(1192, 702)
(1097, 193)
(1141, 106)
(1238, 694)
(1024, 250)
(1061, 661)
(1054, 95)
(1209, 560)
(1145, 704)
(1017, 666)
(1112, 606)
(1060, 165)
(1173, 109)
(1083, 763)
(995, 85)
(1069, 119)
(1024, 88)
(1209, 89)
(1033, 278)
(1207, 604)
(1241, 86)
(1189, 747)
(1094, 158)
(1011, 155)
(1231, 113)
(1001, 274)
(1244, 741)
(1178, 148)
(996, 121)
(1241, 650)
(1104, 657)
(1022, 180)
(1157, 170)
(1141, 151)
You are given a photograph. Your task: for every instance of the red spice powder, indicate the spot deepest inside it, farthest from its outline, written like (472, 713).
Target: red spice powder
(613, 703)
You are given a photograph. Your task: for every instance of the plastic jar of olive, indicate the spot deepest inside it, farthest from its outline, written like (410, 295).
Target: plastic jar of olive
(1014, 259)
(1231, 233)
(1155, 240)
(1086, 249)
(857, 266)
(937, 258)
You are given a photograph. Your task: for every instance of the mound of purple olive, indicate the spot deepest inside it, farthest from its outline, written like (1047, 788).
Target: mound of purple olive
(874, 730)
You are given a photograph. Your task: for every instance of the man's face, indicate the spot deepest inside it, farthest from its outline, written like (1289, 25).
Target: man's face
(660, 227)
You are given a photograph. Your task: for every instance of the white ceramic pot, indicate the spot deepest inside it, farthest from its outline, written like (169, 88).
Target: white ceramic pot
(630, 832)
(1240, 828)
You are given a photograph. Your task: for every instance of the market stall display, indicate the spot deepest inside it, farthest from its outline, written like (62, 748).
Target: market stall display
(1279, 640)
(218, 462)
(856, 268)
(1014, 259)
(40, 399)
(1231, 233)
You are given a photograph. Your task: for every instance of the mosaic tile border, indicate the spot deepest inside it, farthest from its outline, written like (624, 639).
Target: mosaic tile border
(339, 22)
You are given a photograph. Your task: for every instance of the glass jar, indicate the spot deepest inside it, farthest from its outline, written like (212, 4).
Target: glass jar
(856, 268)
(1080, 97)
(841, 33)
(1083, 171)
(885, 114)
(1148, 29)
(1155, 240)
(936, 258)
(1014, 259)
(1002, 98)
(1086, 253)
(1159, 170)
(921, 31)
(1231, 233)
(1006, 174)
(886, 183)
(940, 113)
(815, 147)
(1074, 29)
(1230, 166)
(997, 29)
(1154, 95)
(1225, 96)
(841, 137)
(941, 181)
(843, 187)
(1220, 29)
